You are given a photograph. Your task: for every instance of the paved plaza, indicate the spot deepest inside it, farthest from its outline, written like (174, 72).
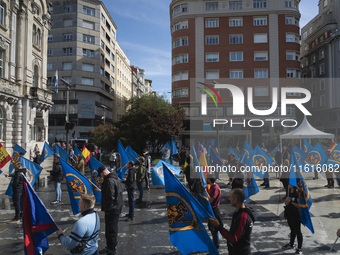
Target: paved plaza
(148, 233)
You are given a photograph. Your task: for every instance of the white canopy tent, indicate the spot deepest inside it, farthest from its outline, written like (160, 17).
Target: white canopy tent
(305, 130)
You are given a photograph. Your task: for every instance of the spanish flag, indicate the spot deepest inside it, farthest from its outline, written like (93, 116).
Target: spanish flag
(334, 144)
(4, 156)
(86, 153)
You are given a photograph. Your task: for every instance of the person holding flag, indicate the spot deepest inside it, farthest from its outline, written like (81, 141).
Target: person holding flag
(17, 186)
(84, 235)
(293, 215)
(238, 236)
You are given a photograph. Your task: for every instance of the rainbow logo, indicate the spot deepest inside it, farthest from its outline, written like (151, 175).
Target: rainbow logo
(209, 93)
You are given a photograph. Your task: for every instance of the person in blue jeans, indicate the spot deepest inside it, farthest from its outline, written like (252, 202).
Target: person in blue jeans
(140, 176)
(57, 178)
(130, 184)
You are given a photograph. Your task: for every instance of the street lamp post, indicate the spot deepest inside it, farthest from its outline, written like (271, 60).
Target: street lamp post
(68, 86)
(104, 108)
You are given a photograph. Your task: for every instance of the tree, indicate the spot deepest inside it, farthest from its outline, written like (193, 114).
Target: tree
(150, 119)
(104, 136)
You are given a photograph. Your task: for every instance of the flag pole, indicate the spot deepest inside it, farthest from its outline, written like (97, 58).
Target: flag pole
(94, 185)
(334, 243)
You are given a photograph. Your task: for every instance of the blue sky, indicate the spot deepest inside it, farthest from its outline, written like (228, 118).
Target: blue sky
(144, 35)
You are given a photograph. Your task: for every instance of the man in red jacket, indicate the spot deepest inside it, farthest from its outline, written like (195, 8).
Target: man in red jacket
(238, 236)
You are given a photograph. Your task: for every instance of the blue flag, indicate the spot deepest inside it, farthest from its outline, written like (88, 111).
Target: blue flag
(273, 152)
(315, 158)
(15, 158)
(260, 162)
(306, 146)
(250, 186)
(166, 152)
(77, 151)
(187, 232)
(0, 171)
(131, 154)
(157, 174)
(299, 154)
(47, 151)
(97, 180)
(247, 152)
(77, 185)
(173, 150)
(232, 150)
(201, 185)
(305, 200)
(33, 170)
(214, 158)
(121, 161)
(334, 159)
(61, 153)
(37, 222)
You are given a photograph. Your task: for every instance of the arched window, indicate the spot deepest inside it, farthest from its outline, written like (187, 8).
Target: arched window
(2, 13)
(34, 33)
(35, 82)
(2, 124)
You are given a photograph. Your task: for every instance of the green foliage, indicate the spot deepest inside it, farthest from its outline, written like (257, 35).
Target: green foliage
(104, 136)
(273, 140)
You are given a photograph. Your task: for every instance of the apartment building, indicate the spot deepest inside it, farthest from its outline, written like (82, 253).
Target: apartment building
(25, 100)
(248, 43)
(84, 50)
(320, 61)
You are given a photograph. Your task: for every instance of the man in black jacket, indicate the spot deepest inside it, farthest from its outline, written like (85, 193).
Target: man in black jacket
(57, 178)
(112, 203)
(130, 184)
(17, 185)
(241, 226)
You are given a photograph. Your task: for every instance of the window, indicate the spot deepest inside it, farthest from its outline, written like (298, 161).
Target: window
(88, 67)
(34, 32)
(179, 76)
(212, 57)
(236, 56)
(261, 91)
(50, 38)
(261, 73)
(293, 73)
(292, 21)
(260, 38)
(235, 39)
(212, 74)
(289, 4)
(35, 80)
(2, 60)
(313, 72)
(184, 92)
(260, 21)
(2, 13)
(102, 17)
(260, 3)
(321, 53)
(49, 53)
(261, 55)
(322, 100)
(325, 3)
(236, 74)
(88, 24)
(235, 5)
(88, 39)
(87, 81)
(291, 37)
(211, 6)
(67, 37)
(313, 59)
(183, 58)
(179, 8)
(322, 85)
(67, 66)
(322, 68)
(67, 51)
(180, 25)
(211, 40)
(211, 23)
(292, 55)
(49, 67)
(235, 22)
(183, 41)
(88, 11)
(68, 8)
(68, 22)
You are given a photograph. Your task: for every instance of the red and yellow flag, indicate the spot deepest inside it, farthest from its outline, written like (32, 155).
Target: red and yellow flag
(4, 156)
(86, 153)
(334, 144)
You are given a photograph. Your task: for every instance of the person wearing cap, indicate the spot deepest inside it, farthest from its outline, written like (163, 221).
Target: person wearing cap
(112, 203)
